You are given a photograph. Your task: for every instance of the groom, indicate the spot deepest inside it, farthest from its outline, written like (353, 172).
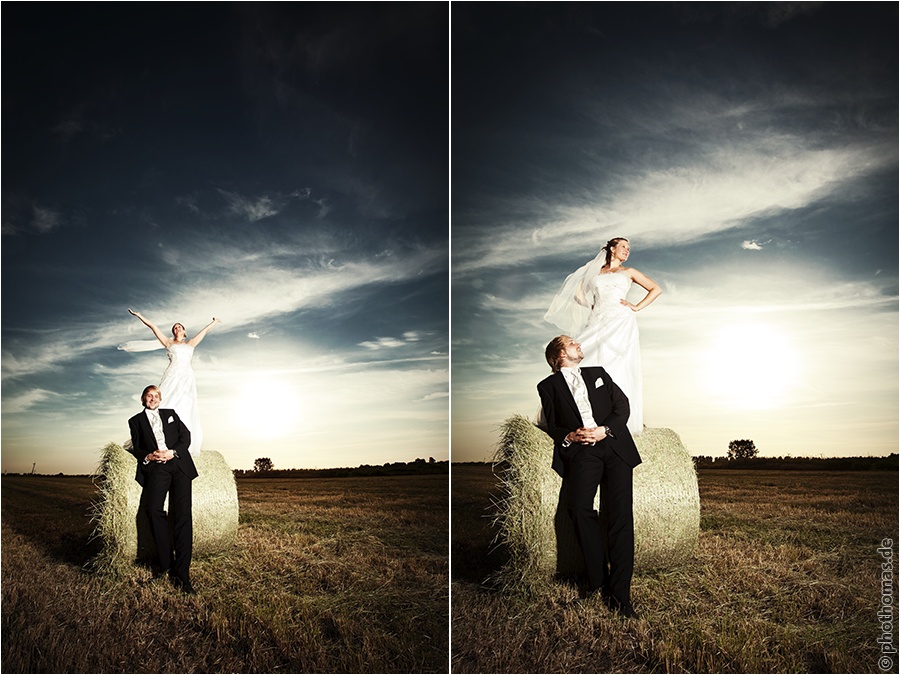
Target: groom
(586, 415)
(160, 441)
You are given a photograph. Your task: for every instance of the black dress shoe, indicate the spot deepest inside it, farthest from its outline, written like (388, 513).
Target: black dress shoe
(623, 609)
(627, 611)
(184, 585)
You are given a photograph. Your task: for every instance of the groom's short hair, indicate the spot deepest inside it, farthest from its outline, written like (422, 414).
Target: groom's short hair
(554, 350)
(147, 389)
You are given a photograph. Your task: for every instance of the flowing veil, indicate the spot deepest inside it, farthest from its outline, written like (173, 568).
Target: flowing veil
(570, 309)
(141, 346)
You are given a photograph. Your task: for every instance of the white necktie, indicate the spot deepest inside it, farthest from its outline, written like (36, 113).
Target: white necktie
(157, 427)
(582, 401)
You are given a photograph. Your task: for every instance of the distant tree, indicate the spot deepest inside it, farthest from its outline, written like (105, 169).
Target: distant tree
(263, 464)
(745, 449)
(431, 460)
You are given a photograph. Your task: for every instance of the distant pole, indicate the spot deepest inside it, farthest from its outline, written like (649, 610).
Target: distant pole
(33, 464)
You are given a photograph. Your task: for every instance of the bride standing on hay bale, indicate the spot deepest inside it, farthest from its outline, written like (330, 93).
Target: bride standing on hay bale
(591, 305)
(178, 383)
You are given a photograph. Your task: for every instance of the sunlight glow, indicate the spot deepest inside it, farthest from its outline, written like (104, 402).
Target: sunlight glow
(267, 407)
(752, 366)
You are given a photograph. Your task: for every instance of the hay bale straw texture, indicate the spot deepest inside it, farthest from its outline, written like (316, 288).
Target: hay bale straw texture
(125, 532)
(534, 523)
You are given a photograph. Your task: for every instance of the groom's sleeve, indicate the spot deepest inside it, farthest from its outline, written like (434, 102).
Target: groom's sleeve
(617, 420)
(556, 432)
(135, 448)
(184, 436)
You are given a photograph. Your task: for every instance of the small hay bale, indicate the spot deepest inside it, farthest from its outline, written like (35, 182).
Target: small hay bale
(124, 529)
(537, 529)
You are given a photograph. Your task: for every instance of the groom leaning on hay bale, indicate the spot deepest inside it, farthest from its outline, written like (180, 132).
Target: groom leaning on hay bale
(586, 415)
(161, 442)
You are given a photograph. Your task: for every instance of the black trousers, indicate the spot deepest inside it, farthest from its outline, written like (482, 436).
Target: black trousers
(174, 550)
(608, 542)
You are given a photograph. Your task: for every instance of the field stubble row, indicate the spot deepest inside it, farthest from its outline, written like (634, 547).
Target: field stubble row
(785, 579)
(334, 575)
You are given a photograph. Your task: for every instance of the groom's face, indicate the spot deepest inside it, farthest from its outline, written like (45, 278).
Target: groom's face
(573, 352)
(152, 399)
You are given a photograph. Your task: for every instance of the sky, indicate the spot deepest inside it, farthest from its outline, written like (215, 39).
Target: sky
(748, 151)
(281, 166)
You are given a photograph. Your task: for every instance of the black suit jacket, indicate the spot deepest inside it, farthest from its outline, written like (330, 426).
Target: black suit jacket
(178, 438)
(609, 406)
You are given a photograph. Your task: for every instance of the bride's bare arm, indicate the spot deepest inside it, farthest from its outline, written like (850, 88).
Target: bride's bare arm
(653, 289)
(166, 341)
(194, 341)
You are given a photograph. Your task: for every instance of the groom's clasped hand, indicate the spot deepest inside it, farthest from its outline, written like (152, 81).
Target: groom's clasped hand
(588, 436)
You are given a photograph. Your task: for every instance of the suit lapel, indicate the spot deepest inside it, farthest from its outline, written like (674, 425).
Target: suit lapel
(567, 393)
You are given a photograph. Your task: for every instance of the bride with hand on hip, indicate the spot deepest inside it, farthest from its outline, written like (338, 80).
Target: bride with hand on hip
(592, 307)
(178, 386)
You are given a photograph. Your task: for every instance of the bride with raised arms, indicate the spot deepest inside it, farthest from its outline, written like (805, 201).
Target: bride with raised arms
(178, 386)
(592, 307)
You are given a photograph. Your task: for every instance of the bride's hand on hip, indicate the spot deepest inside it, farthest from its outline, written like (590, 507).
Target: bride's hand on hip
(633, 308)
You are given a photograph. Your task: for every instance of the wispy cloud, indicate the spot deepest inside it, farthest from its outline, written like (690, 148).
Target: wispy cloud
(24, 401)
(716, 191)
(253, 286)
(393, 342)
(252, 209)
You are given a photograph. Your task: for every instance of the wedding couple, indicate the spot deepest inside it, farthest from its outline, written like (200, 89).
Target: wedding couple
(163, 440)
(591, 405)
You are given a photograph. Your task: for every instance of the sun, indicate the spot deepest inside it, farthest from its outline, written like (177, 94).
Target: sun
(269, 406)
(752, 366)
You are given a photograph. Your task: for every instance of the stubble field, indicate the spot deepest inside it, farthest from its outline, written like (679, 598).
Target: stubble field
(787, 578)
(328, 575)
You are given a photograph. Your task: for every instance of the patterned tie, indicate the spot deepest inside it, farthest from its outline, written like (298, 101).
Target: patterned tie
(577, 381)
(156, 424)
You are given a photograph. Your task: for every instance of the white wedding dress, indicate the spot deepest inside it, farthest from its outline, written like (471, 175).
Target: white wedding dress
(611, 340)
(179, 390)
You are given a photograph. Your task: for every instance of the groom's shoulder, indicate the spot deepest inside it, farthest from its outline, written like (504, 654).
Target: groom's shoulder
(547, 380)
(135, 418)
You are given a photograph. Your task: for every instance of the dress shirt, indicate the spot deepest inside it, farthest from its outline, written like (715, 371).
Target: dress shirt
(157, 426)
(579, 392)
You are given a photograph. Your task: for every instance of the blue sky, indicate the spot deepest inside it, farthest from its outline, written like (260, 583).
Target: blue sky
(281, 166)
(749, 153)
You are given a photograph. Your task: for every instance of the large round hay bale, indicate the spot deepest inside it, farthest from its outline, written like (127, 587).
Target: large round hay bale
(124, 529)
(537, 529)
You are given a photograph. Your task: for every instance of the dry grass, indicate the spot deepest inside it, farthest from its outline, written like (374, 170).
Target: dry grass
(335, 575)
(785, 579)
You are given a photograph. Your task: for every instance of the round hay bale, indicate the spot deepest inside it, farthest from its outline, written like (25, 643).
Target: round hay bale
(124, 529)
(533, 518)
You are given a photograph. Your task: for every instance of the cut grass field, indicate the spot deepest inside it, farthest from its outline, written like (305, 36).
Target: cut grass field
(328, 575)
(786, 578)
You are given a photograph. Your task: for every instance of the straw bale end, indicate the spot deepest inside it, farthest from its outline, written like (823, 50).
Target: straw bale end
(533, 519)
(124, 529)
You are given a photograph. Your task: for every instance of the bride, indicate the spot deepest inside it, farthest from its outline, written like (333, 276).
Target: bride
(178, 386)
(592, 307)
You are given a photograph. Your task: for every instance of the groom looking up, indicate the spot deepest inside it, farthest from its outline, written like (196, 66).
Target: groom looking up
(160, 442)
(586, 415)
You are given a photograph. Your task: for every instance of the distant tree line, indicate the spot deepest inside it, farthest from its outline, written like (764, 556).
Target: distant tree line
(415, 468)
(888, 463)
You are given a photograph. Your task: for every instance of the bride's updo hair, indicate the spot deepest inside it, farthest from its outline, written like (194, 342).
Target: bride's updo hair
(610, 245)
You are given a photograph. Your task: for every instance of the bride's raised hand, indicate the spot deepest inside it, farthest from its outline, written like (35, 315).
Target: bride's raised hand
(133, 313)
